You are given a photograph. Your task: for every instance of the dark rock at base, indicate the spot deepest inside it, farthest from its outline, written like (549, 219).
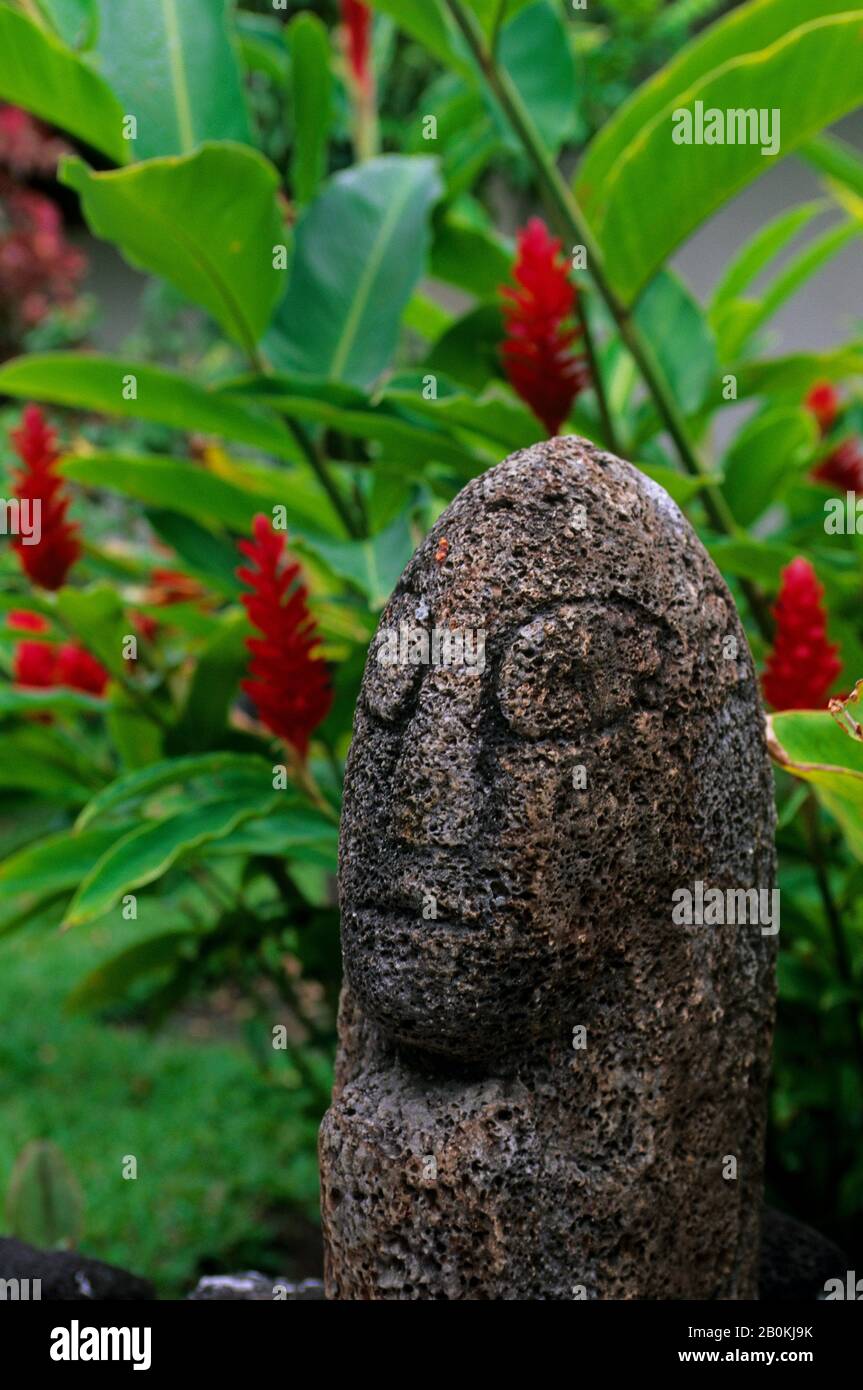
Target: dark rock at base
(67, 1276)
(795, 1260)
(255, 1288)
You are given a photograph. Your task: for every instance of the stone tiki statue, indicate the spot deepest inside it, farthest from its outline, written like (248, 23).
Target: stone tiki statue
(546, 1087)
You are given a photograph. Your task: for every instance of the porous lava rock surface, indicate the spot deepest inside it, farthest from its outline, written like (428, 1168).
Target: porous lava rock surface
(496, 899)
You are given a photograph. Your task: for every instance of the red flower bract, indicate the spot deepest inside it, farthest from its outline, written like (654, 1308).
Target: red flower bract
(823, 401)
(538, 350)
(843, 468)
(289, 682)
(357, 20)
(41, 665)
(49, 561)
(801, 665)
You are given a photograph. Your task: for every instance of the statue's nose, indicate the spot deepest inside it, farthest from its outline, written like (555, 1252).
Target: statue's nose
(436, 787)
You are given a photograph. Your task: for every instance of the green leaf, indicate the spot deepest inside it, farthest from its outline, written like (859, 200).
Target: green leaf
(42, 75)
(54, 863)
(57, 701)
(74, 21)
(680, 487)
(137, 739)
(96, 616)
(681, 339)
(44, 1201)
(90, 382)
(218, 671)
(176, 484)
(803, 58)
(469, 351)
(802, 267)
(137, 786)
(262, 45)
(311, 83)
(535, 51)
(147, 853)
(287, 833)
(810, 745)
(836, 158)
(791, 377)
(109, 983)
(429, 23)
(493, 13)
(470, 257)
(760, 250)
(40, 760)
(373, 565)
(208, 556)
(207, 222)
(359, 250)
(174, 67)
(767, 453)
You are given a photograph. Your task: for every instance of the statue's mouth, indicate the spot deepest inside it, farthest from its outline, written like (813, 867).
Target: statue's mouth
(377, 920)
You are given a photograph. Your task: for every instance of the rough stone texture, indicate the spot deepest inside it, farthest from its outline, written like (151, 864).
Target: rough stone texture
(796, 1261)
(67, 1276)
(470, 1151)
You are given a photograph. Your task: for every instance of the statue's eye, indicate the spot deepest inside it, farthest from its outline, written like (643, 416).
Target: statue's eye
(397, 658)
(577, 667)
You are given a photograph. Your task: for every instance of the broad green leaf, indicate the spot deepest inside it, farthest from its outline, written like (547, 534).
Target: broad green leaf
(38, 759)
(429, 23)
(41, 74)
(57, 700)
(496, 419)
(346, 409)
(311, 85)
(73, 21)
(810, 745)
(147, 853)
(287, 832)
(262, 45)
(109, 983)
(174, 66)
(747, 29)
(791, 377)
(44, 1201)
(207, 555)
(96, 616)
(469, 351)
(136, 786)
(470, 257)
(793, 275)
(207, 222)
(54, 863)
(215, 681)
(136, 391)
(535, 51)
(373, 565)
(681, 339)
(807, 63)
(767, 454)
(359, 250)
(760, 250)
(137, 738)
(836, 158)
(176, 484)
(680, 487)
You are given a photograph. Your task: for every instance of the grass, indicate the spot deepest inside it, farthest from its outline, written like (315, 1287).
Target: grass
(227, 1176)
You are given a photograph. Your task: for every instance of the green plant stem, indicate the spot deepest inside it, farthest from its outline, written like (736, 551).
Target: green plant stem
(321, 472)
(596, 376)
(834, 918)
(572, 222)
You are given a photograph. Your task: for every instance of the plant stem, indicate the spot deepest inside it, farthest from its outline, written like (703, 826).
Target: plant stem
(596, 376)
(834, 919)
(322, 474)
(573, 223)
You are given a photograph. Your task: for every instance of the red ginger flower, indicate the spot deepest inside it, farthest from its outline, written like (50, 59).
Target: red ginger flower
(801, 665)
(843, 467)
(823, 401)
(357, 20)
(49, 561)
(289, 683)
(538, 349)
(41, 665)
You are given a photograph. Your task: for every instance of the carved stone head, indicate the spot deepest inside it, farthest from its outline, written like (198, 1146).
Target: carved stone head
(554, 731)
